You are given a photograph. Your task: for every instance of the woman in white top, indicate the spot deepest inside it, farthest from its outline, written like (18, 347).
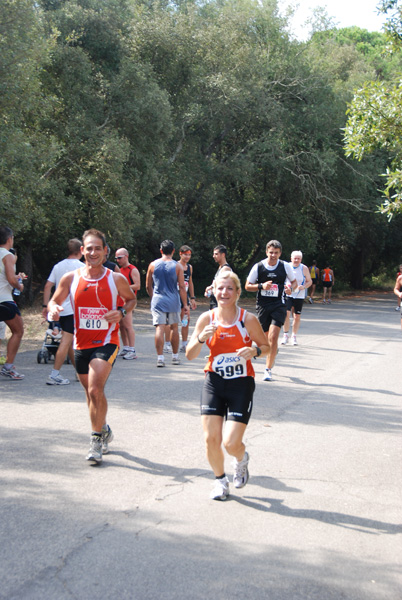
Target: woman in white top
(9, 311)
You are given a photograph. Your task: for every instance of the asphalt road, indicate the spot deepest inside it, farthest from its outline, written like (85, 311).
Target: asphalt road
(320, 518)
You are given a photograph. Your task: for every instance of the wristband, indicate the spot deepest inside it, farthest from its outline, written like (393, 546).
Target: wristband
(259, 351)
(260, 286)
(199, 341)
(192, 297)
(44, 305)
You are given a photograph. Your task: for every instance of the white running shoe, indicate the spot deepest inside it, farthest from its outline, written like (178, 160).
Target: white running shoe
(175, 360)
(130, 355)
(58, 380)
(311, 300)
(107, 437)
(94, 455)
(221, 489)
(285, 339)
(122, 352)
(167, 348)
(294, 341)
(267, 375)
(160, 363)
(241, 474)
(397, 308)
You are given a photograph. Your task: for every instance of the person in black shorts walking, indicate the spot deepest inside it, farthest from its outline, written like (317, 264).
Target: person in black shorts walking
(9, 311)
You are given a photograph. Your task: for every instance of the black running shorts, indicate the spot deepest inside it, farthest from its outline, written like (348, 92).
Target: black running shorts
(8, 310)
(275, 316)
(107, 353)
(228, 398)
(67, 323)
(296, 303)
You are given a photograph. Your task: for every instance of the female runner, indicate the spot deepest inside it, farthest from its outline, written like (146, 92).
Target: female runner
(229, 379)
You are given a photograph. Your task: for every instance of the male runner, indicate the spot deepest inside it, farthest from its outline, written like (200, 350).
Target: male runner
(70, 263)
(268, 278)
(132, 274)
(315, 275)
(165, 285)
(328, 280)
(93, 291)
(185, 256)
(295, 301)
(219, 256)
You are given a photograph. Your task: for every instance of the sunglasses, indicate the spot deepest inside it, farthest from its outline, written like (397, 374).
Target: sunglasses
(118, 257)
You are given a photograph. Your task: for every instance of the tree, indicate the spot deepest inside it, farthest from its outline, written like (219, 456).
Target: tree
(374, 120)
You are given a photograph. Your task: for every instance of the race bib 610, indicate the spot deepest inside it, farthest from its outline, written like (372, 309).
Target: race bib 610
(92, 318)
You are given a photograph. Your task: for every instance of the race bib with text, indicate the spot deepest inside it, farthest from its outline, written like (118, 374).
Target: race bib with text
(273, 291)
(92, 318)
(230, 366)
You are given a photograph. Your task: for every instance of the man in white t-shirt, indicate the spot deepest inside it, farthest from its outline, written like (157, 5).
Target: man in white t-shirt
(71, 263)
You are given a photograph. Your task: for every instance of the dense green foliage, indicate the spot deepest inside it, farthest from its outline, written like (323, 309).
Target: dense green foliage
(203, 122)
(375, 115)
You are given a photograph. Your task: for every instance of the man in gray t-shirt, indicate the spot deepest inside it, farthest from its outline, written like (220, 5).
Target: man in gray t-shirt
(165, 285)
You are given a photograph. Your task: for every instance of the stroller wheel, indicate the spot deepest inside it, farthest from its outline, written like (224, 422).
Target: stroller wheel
(45, 356)
(39, 356)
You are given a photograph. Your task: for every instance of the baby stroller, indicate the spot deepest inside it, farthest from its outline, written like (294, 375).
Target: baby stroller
(50, 344)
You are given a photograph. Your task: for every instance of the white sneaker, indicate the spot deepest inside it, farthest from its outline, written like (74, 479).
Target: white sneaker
(130, 355)
(94, 455)
(397, 308)
(294, 341)
(175, 360)
(241, 474)
(58, 380)
(221, 489)
(311, 300)
(285, 339)
(267, 375)
(107, 437)
(182, 348)
(122, 353)
(160, 363)
(167, 348)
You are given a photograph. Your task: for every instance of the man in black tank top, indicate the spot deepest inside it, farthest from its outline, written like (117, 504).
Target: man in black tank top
(219, 256)
(267, 278)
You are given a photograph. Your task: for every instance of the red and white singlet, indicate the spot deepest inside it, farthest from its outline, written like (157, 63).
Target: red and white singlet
(223, 346)
(91, 300)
